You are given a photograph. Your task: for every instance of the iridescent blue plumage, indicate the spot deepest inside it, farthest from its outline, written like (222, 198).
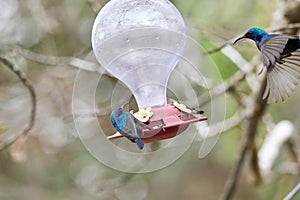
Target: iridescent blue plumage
(118, 119)
(130, 127)
(281, 57)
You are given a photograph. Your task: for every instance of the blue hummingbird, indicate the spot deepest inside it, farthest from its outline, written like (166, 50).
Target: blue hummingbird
(130, 127)
(281, 58)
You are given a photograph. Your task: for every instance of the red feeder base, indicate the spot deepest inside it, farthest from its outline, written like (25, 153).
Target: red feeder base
(174, 121)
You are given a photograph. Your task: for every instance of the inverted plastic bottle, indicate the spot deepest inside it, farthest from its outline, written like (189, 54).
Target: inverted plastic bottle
(139, 42)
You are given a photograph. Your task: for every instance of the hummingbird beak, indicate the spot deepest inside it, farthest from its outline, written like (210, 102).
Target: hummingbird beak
(242, 37)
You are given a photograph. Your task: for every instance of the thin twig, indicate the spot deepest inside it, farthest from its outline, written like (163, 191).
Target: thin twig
(31, 90)
(282, 28)
(59, 61)
(294, 191)
(217, 49)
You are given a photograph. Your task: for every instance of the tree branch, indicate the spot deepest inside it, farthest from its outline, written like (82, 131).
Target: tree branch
(58, 61)
(31, 90)
(254, 163)
(250, 125)
(283, 28)
(218, 48)
(294, 191)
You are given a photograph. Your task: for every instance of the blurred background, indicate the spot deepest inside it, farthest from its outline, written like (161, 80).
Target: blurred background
(46, 39)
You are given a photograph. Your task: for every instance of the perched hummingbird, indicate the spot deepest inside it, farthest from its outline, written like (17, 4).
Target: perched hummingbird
(130, 127)
(281, 57)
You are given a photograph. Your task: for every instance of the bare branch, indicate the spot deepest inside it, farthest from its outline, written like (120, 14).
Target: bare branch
(217, 49)
(31, 90)
(255, 163)
(294, 191)
(59, 61)
(283, 28)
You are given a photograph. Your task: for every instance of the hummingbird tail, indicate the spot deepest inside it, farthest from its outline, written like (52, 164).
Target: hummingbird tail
(140, 143)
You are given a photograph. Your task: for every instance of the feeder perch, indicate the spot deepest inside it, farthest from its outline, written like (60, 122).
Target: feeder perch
(175, 122)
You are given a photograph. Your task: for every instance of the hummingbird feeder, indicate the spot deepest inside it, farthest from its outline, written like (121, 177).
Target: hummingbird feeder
(139, 42)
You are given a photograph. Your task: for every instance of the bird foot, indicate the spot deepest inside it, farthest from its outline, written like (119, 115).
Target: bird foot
(159, 127)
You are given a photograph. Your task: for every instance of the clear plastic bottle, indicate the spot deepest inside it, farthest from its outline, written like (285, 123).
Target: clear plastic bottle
(139, 42)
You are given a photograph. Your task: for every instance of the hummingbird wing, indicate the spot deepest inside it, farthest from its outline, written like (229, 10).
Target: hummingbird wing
(272, 48)
(282, 61)
(138, 132)
(130, 130)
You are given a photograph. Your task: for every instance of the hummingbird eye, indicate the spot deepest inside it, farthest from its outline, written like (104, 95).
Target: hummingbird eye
(248, 35)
